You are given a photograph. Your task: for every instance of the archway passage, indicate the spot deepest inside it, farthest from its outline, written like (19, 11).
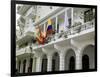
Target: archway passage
(70, 58)
(72, 63)
(19, 66)
(55, 62)
(44, 64)
(88, 58)
(30, 65)
(24, 66)
(85, 62)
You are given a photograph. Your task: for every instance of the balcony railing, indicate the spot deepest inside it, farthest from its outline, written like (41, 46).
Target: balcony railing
(23, 50)
(71, 31)
(27, 29)
(55, 37)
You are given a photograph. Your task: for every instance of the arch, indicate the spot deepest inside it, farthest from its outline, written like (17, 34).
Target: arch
(72, 63)
(19, 64)
(24, 66)
(70, 59)
(44, 63)
(30, 65)
(85, 46)
(85, 62)
(55, 62)
(89, 55)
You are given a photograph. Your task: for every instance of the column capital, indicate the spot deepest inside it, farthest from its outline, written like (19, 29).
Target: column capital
(49, 51)
(38, 54)
(61, 49)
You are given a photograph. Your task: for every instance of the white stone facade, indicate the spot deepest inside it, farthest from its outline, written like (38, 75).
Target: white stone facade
(64, 53)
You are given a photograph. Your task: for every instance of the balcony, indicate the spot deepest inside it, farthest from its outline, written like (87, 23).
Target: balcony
(29, 30)
(72, 31)
(87, 29)
(84, 31)
(23, 51)
(65, 15)
(61, 37)
(25, 38)
(23, 9)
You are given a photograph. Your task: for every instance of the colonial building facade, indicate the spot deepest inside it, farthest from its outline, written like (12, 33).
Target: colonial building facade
(71, 47)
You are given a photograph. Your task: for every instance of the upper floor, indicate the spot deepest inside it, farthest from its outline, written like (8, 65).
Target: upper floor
(66, 21)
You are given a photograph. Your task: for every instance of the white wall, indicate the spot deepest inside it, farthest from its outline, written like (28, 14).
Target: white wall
(45, 10)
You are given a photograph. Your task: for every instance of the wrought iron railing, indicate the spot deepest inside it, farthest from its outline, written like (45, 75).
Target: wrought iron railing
(71, 31)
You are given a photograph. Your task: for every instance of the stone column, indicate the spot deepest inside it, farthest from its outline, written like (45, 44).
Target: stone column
(56, 23)
(62, 61)
(34, 65)
(72, 12)
(17, 63)
(38, 64)
(21, 67)
(66, 24)
(78, 61)
(27, 65)
(49, 63)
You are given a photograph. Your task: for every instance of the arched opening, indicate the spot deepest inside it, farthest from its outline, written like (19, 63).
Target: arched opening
(85, 62)
(24, 66)
(70, 60)
(44, 64)
(88, 58)
(72, 63)
(30, 65)
(19, 66)
(55, 62)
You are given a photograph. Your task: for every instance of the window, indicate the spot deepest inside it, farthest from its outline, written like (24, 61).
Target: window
(85, 62)
(88, 15)
(55, 62)
(19, 66)
(72, 63)
(44, 64)
(24, 66)
(30, 66)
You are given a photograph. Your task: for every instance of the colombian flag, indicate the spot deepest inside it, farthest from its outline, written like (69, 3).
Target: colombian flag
(49, 27)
